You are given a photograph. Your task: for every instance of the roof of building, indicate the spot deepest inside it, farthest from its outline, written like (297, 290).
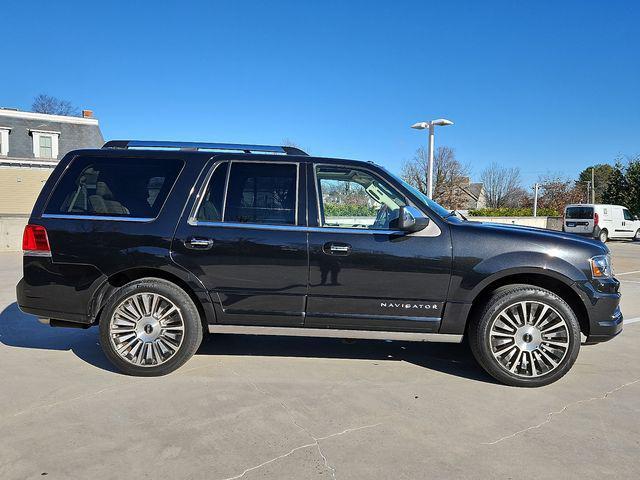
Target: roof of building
(73, 132)
(475, 189)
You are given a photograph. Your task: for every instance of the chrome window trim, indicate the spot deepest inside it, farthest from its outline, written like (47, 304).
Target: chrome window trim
(301, 228)
(320, 211)
(203, 188)
(98, 217)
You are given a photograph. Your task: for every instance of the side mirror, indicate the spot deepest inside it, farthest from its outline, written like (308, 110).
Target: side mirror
(635, 217)
(411, 220)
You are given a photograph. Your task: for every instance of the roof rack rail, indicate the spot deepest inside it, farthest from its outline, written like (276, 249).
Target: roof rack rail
(126, 144)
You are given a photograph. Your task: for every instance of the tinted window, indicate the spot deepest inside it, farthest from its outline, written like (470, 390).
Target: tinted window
(127, 187)
(579, 212)
(627, 215)
(351, 198)
(261, 193)
(211, 207)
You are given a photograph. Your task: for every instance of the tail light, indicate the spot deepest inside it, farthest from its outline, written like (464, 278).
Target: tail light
(596, 219)
(35, 239)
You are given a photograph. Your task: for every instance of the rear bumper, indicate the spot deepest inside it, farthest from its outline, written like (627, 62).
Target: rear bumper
(57, 291)
(593, 234)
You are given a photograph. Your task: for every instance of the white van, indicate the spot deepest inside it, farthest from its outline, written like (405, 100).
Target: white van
(601, 221)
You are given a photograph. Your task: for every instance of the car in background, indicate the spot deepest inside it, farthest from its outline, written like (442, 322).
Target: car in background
(601, 221)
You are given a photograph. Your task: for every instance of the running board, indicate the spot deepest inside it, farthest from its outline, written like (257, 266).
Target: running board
(336, 333)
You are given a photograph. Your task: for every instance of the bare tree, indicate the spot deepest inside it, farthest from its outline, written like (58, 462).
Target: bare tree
(450, 176)
(55, 106)
(500, 184)
(558, 192)
(287, 142)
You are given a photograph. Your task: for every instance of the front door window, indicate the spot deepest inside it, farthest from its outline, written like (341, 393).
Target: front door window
(352, 198)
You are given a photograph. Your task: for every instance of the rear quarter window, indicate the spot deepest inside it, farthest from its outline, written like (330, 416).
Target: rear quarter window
(114, 187)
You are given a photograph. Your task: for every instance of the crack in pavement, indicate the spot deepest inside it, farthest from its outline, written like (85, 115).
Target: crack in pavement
(306, 445)
(550, 415)
(316, 440)
(67, 400)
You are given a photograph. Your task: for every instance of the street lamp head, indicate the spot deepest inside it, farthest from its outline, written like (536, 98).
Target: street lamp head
(442, 122)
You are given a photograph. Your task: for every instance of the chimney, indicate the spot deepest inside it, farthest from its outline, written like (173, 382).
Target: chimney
(87, 113)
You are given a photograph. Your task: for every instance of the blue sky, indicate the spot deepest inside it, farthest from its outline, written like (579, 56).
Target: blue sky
(549, 86)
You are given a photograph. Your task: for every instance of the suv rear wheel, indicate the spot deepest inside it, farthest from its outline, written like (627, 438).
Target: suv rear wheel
(150, 327)
(525, 336)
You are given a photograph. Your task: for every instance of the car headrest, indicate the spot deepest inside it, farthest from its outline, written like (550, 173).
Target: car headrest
(103, 190)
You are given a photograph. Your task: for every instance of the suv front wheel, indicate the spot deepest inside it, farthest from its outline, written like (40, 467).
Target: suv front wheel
(150, 327)
(525, 336)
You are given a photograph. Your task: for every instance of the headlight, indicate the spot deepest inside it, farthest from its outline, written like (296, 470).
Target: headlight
(601, 266)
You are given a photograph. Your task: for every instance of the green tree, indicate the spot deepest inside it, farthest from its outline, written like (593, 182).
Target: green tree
(602, 173)
(617, 189)
(632, 177)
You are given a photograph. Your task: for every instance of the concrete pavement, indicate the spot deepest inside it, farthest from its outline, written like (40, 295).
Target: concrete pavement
(298, 408)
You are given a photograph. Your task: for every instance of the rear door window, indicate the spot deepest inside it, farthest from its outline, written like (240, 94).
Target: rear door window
(114, 187)
(579, 212)
(262, 193)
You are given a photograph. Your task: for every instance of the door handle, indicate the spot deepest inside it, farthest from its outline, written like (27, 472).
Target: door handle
(332, 248)
(199, 243)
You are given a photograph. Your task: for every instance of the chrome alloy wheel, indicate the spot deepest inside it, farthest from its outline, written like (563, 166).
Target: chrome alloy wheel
(146, 329)
(529, 338)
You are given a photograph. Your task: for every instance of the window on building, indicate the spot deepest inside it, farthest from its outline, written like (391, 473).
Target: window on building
(352, 198)
(94, 186)
(4, 141)
(46, 147)
(45, 144)
(262, 193)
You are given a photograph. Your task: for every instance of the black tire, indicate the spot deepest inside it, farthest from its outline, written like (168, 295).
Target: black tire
(636, 238)
(481, 336)
(604, 236)
(185, 319)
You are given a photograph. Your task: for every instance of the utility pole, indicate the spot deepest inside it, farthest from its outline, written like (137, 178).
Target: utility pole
(593, 185)
(588, 191)
(536, 187)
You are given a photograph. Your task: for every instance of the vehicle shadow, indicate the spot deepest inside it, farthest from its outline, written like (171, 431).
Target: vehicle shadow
(452, 359)
(21, 330)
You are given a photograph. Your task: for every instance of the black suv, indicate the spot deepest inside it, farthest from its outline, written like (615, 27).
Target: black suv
(158, 242)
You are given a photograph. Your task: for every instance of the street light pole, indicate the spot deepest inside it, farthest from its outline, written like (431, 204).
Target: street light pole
(536, 187)
(430, 147)
(430, 154)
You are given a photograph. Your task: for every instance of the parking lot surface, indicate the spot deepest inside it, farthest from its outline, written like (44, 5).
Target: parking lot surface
(298, 408)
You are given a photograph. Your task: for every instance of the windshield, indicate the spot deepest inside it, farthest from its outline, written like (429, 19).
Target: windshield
(436, 207)
(579, 212)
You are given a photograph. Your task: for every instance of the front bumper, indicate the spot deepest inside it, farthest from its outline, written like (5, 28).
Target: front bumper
(602, 301)
(607, 329)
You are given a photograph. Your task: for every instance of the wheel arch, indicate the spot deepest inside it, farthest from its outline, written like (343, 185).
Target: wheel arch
(554, 284)
(200, 297)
